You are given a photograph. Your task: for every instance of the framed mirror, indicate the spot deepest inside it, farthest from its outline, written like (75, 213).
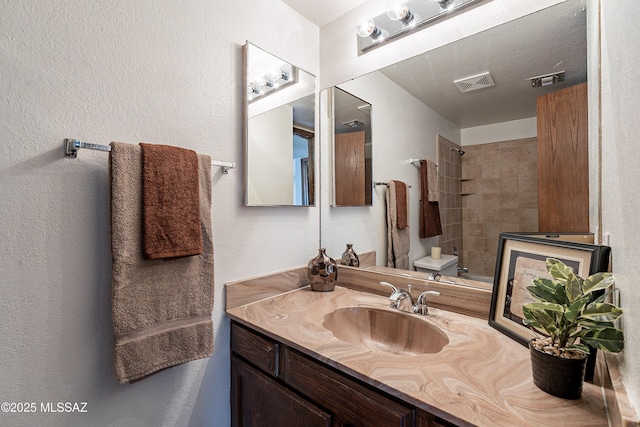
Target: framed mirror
(418, 103)
(352, 150)
(279, 132)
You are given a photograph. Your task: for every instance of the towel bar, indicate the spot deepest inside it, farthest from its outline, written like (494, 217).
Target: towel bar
(385, 183)
(72, 146)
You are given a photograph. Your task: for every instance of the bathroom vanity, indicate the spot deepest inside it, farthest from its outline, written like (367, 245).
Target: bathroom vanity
(290, 368)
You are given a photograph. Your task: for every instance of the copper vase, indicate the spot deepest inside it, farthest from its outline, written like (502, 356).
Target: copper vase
(322, 272)
(350, 257)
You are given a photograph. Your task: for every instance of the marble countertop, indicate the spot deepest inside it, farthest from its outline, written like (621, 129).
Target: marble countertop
(481, 377)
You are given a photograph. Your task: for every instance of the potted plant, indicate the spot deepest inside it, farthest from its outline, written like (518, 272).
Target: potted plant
(571, 315)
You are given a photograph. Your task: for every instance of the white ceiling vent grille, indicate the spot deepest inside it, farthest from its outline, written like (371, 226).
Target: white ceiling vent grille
(476, 82)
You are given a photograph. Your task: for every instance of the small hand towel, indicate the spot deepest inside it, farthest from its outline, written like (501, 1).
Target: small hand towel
(161, 309)
(430, 225)
(401, 205)
(432, 179)
(170, 202)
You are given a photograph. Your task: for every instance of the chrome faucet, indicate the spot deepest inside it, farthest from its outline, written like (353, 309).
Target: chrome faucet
(400, 299)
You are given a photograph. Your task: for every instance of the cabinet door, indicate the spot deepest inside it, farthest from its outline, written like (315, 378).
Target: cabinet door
(563, 163)
(349, 158)
(351, 403)
(257, 400)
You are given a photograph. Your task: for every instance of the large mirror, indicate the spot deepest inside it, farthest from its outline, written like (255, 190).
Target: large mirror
(280, 131)
(352, 148)
(420, 113)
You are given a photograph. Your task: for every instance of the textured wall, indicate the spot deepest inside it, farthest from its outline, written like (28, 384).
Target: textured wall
(500, 194)
(158, 71)
(621, 175)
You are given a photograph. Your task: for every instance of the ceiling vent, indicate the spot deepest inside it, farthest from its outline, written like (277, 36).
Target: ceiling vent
(476, 82)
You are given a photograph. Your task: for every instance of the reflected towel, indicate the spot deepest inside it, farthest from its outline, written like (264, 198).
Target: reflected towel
(430, 225)
(432, 179)
(170, 202)
(398, 240)
(401, 205)
(161, 309)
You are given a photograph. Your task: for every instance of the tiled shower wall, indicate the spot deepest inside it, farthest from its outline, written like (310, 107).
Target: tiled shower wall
(499, 194)
(449, 184)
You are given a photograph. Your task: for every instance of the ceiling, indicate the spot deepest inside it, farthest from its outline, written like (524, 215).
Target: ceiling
(321, 12)
(548, 41)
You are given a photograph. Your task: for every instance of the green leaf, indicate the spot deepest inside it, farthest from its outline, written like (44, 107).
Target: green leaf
(602, 312)
(540, 319)
(606, 339)
(548, 306)
(573, 288)
(573, 311)
(594, 324)
(559, 271)
(598, 281)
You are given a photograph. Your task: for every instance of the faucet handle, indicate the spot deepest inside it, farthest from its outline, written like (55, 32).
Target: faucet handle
(389, 285)
(421, 303)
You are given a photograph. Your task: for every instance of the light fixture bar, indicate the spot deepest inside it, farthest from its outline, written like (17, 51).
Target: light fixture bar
(404, 18)
(547, 79)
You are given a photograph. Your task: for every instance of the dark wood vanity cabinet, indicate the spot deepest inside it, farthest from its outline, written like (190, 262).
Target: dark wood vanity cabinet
(274, 385)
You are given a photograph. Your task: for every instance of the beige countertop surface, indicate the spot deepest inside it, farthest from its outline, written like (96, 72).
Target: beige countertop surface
(481, 377)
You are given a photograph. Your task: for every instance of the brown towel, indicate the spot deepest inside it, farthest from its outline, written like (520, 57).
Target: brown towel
(170, 202)
(401, 205)
(430, 225)
(398, 241)
(161, 309)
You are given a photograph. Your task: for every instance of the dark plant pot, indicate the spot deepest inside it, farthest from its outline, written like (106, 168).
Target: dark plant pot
(557, 376)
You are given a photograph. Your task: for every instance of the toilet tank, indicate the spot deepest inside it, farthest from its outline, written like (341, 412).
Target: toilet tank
(447, 265)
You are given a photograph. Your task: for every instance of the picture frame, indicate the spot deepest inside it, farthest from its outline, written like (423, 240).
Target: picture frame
(520, 259)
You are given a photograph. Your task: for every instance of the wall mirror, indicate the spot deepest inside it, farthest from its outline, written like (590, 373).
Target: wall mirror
(416, 100)
(280, 131)
(352, 150)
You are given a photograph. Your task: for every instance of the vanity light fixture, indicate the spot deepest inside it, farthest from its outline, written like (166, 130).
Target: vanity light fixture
(270, 82)
(547, 79)
(354, 124)
(403, 17)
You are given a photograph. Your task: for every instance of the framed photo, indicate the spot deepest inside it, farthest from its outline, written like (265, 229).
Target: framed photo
(521, 258)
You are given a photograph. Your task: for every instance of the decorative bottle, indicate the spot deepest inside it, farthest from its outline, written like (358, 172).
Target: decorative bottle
(322, 272)
(350, 257)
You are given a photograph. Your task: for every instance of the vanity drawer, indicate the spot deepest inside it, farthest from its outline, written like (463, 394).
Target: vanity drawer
(350, 402)
(256, 349)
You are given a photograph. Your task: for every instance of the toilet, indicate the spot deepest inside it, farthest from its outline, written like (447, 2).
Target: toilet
(447, 265)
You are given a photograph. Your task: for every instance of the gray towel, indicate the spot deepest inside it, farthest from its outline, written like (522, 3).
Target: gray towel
(161, 309)
(398, 240)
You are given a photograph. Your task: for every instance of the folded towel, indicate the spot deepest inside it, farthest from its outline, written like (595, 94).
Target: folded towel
(398, 240)
(432, 179)
(430, 224)
(401, 205)
(161, 309)
(170, 202)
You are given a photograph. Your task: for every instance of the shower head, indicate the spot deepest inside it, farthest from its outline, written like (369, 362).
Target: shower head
(459, 151)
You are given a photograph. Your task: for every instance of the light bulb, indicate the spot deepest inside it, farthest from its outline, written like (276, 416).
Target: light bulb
(400, 12)
(367, 28)
(445, 4)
